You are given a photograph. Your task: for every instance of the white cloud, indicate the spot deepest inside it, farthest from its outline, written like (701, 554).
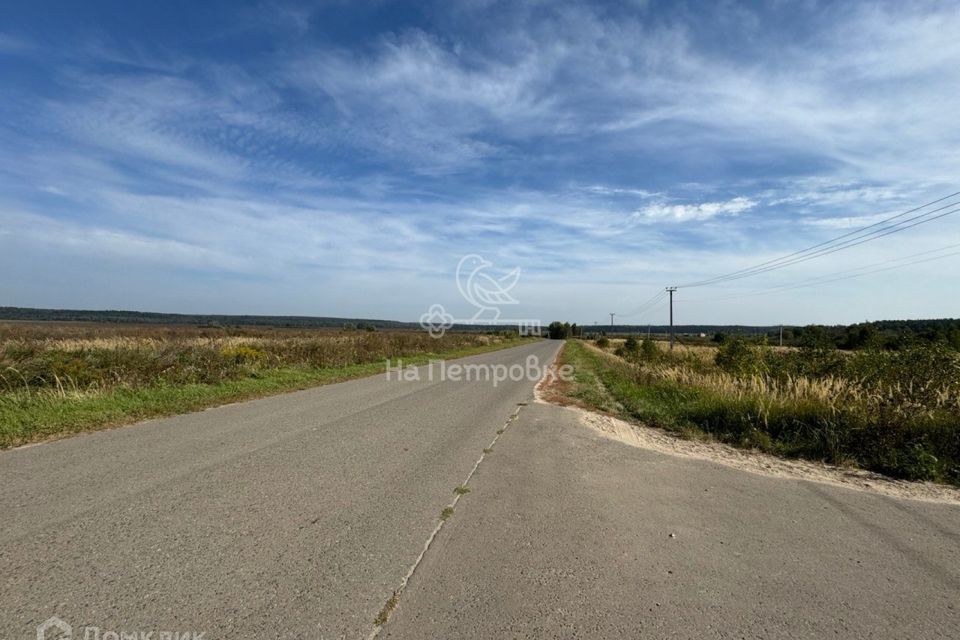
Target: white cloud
(393, 157)
(616, 191)
(697, 212)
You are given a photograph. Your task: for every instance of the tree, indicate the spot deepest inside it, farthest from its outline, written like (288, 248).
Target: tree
(736, 355)
(558, 330)
(648, 350)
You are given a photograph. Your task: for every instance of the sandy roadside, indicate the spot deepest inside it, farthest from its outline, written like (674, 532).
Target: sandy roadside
(550, 391)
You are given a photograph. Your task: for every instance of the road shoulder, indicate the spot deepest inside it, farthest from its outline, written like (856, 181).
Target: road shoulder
(570, 534)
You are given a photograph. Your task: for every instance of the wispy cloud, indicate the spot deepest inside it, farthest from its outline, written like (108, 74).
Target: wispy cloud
(689, 212)
(620, 191)
(584, 142)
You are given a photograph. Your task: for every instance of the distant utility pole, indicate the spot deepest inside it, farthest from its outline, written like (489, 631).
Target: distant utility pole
(611, 320)
(781, 335)
(671, 290)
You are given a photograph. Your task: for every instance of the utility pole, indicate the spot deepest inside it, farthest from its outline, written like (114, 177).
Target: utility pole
(671, 290)
(611, 320)
(781, 335)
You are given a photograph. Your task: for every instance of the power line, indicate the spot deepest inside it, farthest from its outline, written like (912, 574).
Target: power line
(662, 304)
(645, 306)
(888, 226)
(853, 238)
(823, 246)
(871, 272)
(847, 245)
(839, 275)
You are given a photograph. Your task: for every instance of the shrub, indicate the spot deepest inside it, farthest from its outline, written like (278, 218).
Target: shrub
(243, 354)
(911, 462)
(602, 342)
(738, 356)
(649, 351)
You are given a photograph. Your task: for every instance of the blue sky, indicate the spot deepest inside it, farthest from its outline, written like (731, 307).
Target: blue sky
(338, 158)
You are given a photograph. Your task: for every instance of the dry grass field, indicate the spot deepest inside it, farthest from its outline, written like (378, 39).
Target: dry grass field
(58, 378)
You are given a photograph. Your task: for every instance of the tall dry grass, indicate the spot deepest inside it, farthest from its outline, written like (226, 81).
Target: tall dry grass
(83, 358)
(896, 412)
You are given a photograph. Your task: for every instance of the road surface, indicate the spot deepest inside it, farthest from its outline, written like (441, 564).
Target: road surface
(300, 515)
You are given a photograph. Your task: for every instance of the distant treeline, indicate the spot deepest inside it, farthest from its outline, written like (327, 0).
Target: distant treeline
(882, 334)
(688, 329)
(146, 317)
(215, 320)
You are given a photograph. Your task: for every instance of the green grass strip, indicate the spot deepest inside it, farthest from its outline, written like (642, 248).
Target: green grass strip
(26, 418)
(928, 449)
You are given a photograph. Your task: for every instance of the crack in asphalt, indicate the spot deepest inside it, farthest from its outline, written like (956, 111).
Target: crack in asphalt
(394, 599)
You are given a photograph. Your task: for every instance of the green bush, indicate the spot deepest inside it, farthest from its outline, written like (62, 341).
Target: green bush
(649, 351)
(738, 356)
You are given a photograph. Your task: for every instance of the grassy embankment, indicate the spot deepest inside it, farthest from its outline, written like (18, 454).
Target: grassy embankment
(897, 413)
(61, 379)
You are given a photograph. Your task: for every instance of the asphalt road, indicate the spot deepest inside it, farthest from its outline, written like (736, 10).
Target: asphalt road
(567, 534)
(299, 515)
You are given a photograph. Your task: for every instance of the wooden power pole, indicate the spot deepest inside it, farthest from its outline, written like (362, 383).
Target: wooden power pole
(671, 290)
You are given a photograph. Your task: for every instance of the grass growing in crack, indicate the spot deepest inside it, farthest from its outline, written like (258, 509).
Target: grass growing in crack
(500, 431)
(446, 513)
(462, 490)
(388, 608)
(488, 450)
